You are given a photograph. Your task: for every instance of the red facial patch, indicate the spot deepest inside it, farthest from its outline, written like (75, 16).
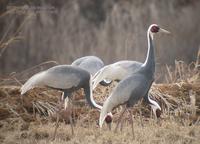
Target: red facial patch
(108, 119)
(154, 29)
(158, 113)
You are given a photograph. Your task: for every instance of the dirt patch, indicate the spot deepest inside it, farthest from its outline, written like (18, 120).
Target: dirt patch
(31, 118)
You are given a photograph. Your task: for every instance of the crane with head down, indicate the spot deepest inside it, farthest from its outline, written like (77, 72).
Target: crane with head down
(64, 78)
(134, 87)
(91, 64)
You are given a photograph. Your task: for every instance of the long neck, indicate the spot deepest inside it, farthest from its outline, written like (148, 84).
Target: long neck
(149, 63)
(89, 96)
(151, 102)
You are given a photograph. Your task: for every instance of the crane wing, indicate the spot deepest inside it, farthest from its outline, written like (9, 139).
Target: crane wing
(89, 63)
(130, 66)
(78, 61)
(116, 71)
(109, 72)
(63, 77)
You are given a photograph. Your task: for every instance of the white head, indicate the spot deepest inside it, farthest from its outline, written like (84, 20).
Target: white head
(154, 28)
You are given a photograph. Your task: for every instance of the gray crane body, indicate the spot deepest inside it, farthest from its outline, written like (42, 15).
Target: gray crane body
(64, 78)
(128, 92)
(92, 64)
(89, 63)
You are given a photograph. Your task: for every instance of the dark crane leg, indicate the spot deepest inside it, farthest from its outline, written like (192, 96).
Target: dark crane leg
(131, 121)
(70, 116)
(140, 111)
(57, 125)
(122, 124)
(60, 104)
(120, 118)
(58, 115)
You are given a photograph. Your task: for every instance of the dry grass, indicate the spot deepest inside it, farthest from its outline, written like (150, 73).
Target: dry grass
(183, 71)
(32, 119)
(166, 131)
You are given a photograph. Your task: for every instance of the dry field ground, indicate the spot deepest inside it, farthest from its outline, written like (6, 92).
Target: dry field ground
(27, 39)
(31, 119)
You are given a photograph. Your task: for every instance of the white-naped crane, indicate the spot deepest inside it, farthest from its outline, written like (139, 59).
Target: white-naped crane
(64, 78)
(134, 87)
(118, 71)
(92, 64)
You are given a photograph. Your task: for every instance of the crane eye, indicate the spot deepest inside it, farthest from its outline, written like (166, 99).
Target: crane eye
(155, 29)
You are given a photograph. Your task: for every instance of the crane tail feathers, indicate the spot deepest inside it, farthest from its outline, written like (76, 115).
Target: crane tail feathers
(34, 81)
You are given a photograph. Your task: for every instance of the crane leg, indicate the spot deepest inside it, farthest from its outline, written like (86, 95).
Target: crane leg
(131, 121)
(57, 125)
(70, 116)
(120, 118)
(141, 121)
(122, 122)
(71, 124)
(57, 115)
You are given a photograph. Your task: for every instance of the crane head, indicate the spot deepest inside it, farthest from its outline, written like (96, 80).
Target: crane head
(158, 113)
(108, 120)
(154, 28)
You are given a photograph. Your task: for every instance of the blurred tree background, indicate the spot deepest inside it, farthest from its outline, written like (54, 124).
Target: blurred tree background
(35, 31)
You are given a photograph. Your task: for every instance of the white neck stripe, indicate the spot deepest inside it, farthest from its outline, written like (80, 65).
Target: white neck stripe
(91, 96)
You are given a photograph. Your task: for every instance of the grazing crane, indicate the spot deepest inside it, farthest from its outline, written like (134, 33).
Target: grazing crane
(134, 87)
(91, 64)
(66, 79)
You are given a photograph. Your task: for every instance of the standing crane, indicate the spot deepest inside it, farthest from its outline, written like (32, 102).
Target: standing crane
(118, 71)
(134, 87)
(64, 78)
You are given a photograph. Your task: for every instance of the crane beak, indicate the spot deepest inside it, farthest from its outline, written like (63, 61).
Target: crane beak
(164, 31)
